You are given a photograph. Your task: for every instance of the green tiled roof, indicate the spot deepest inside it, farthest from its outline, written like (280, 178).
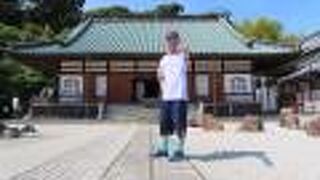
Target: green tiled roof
(133, 35)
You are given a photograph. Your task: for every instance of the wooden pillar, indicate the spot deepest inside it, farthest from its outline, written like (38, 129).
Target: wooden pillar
(192, 92)
(108, 80)
(217, 90)
(310, 86)
(221, 78)
(83, 81)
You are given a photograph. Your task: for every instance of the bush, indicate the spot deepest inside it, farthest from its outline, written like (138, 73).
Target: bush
(313, 127)
(289, 119)
(252, 124)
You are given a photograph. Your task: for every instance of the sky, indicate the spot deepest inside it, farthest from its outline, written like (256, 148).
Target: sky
(301, 17)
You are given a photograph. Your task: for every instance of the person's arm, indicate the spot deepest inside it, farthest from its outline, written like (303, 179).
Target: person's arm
(160, 74)
(186, 52)
(184, 48)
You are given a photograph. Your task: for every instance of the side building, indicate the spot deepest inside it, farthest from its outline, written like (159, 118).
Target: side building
(300, 84)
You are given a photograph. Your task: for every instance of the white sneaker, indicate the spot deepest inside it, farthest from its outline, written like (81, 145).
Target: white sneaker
(161, 148)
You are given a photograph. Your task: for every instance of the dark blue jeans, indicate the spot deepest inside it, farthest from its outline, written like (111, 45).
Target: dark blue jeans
(173, 118)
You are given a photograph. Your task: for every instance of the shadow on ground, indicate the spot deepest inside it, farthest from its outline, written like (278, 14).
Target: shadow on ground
(231, 155)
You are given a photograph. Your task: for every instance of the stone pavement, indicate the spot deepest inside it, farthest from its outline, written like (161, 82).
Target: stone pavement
(96, 150)
(136, 164)
(120, 153)
(63, 152)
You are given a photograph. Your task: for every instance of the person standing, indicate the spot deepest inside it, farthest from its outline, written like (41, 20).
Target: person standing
(172, 77)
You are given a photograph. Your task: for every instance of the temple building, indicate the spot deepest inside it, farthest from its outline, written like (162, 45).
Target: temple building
(300, 85)
(114, 60)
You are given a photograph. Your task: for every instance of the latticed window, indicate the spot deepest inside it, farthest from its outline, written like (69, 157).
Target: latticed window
(71, 86)
(239, 84)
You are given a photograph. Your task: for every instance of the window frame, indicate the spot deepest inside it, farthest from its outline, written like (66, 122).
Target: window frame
(204, 85)
(101, 93)
(231, 84)
(72, 90)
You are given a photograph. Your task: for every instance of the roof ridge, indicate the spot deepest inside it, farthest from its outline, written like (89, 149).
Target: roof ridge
(271, 43)
(311, 36)
(235, 33)
(77, 32)
(158, 17)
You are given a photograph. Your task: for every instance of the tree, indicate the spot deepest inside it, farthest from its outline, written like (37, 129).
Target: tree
(264, 28)
(59, 14)
(291, 39)
(19, 80)
(14, 12)
(37, 32)
(171, 9)
(24, 32)
(9, 33)
(112, 11)
(9, 11)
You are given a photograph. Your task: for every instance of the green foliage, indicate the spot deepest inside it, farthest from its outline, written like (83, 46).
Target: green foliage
(10, 33)
(291, 39)
(36, 32)
(171, 9)
(261, 28)
(110, 11)
(264, 28)
(59, 14)
(24, 32)
(19, 80)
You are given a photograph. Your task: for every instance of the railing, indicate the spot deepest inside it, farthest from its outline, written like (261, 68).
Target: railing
(232, 109)
(67, 110)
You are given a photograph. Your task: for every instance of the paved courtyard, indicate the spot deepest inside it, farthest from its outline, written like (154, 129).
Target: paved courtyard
(118, 149)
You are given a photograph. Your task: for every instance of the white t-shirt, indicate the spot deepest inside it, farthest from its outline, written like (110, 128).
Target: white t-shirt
(173, 67)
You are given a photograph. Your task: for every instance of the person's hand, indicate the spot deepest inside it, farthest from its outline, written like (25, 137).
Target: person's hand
(161, 78)
(184, 48)
(160, 75)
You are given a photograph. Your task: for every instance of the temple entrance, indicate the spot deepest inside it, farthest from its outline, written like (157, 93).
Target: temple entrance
(145, 88)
